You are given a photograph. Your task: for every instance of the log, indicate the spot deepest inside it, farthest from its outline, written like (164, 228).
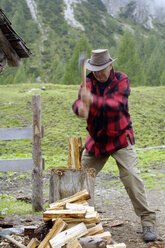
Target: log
(95, 230)
(58, 227)
(66, 182)
(82, 202)
(64, 237)
(74, 152)
(92, 242)
(87, 225)
(64, 213)
(73, 244)
(120, 245)
(91, 217)
(13, 241)
(33, 243)
(78, 196)
(90, 225)
(104, 235)
(73, 206)
(78, 220)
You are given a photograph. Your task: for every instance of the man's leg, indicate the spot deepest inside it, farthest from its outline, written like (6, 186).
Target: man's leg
(90, 161)
(126, 160)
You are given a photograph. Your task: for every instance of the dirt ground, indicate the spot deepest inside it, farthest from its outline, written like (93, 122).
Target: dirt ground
(113, 205)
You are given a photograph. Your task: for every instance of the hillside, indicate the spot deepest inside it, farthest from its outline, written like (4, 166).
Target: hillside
(147, 108)
(56, 31)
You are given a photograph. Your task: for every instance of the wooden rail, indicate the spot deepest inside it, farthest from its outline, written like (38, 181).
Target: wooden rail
(35, 164)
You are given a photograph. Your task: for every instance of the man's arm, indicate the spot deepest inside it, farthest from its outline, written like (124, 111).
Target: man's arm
(82, 105)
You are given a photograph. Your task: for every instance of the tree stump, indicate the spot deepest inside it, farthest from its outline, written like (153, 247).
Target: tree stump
(65, 182)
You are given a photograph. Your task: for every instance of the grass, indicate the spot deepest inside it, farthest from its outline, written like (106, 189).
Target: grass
(9, 205)
(147, 111)
(147, 108)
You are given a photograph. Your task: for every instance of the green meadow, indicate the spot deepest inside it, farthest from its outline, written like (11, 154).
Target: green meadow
(147, 108)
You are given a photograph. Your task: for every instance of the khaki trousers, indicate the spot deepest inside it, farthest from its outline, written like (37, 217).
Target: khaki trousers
(126, 160)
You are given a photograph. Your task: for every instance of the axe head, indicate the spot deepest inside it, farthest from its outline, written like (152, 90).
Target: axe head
(82, 59)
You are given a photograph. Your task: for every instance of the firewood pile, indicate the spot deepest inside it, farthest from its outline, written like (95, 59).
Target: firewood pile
(75, 225)
(69, 223)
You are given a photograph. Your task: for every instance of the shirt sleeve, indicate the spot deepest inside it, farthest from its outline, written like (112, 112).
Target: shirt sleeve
(77, 102)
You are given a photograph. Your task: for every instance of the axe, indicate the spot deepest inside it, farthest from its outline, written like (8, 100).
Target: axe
(82, 65)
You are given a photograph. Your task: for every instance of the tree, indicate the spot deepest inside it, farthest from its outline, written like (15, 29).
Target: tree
(57, 70)
(152, 71)
(20, 76)
(162, 79)
(128, 61)
(72, 73)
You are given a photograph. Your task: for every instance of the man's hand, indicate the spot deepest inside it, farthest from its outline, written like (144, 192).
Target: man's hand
(83, 110)
(86, 100)
(86, 96)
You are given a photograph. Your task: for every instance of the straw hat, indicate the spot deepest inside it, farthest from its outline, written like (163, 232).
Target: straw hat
(99, 60)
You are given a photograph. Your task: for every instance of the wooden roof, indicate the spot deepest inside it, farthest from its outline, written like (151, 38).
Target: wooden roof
(12, 37)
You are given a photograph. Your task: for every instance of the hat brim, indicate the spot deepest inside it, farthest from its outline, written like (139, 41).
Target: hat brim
(98, 68)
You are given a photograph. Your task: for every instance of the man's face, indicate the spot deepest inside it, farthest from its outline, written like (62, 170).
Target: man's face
(103, 75)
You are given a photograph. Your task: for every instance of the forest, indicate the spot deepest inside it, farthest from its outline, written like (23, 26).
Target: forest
(140, 50)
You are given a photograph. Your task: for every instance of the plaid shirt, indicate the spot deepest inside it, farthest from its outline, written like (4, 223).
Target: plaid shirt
(109, 120)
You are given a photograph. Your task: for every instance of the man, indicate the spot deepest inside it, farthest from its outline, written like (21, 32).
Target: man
(104, 104)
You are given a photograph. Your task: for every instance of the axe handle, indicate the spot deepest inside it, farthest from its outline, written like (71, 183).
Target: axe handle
(84, 76)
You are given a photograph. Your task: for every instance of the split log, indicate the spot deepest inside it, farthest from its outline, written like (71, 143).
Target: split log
(73, 206)
(64, 213)
(64, 237)
(90, 225)
(89, 218)
(73, 198)
(92, 242)
(66, 182)
(13, 241)
(74, 152)
(95, 230)
(33, 243)
(73, 244)
(82, 202)
(104, 235)
(58, 227)
(120, 245)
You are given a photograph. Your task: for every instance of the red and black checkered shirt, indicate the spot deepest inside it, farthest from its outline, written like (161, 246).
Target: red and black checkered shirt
(109, 119)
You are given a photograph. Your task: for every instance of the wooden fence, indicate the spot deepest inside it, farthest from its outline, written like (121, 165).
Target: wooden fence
(35, 164)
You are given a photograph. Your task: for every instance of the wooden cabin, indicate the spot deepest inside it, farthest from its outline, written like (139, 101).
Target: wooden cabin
(12, 47)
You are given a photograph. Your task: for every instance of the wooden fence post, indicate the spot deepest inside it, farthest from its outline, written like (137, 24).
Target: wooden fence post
(37, 181)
